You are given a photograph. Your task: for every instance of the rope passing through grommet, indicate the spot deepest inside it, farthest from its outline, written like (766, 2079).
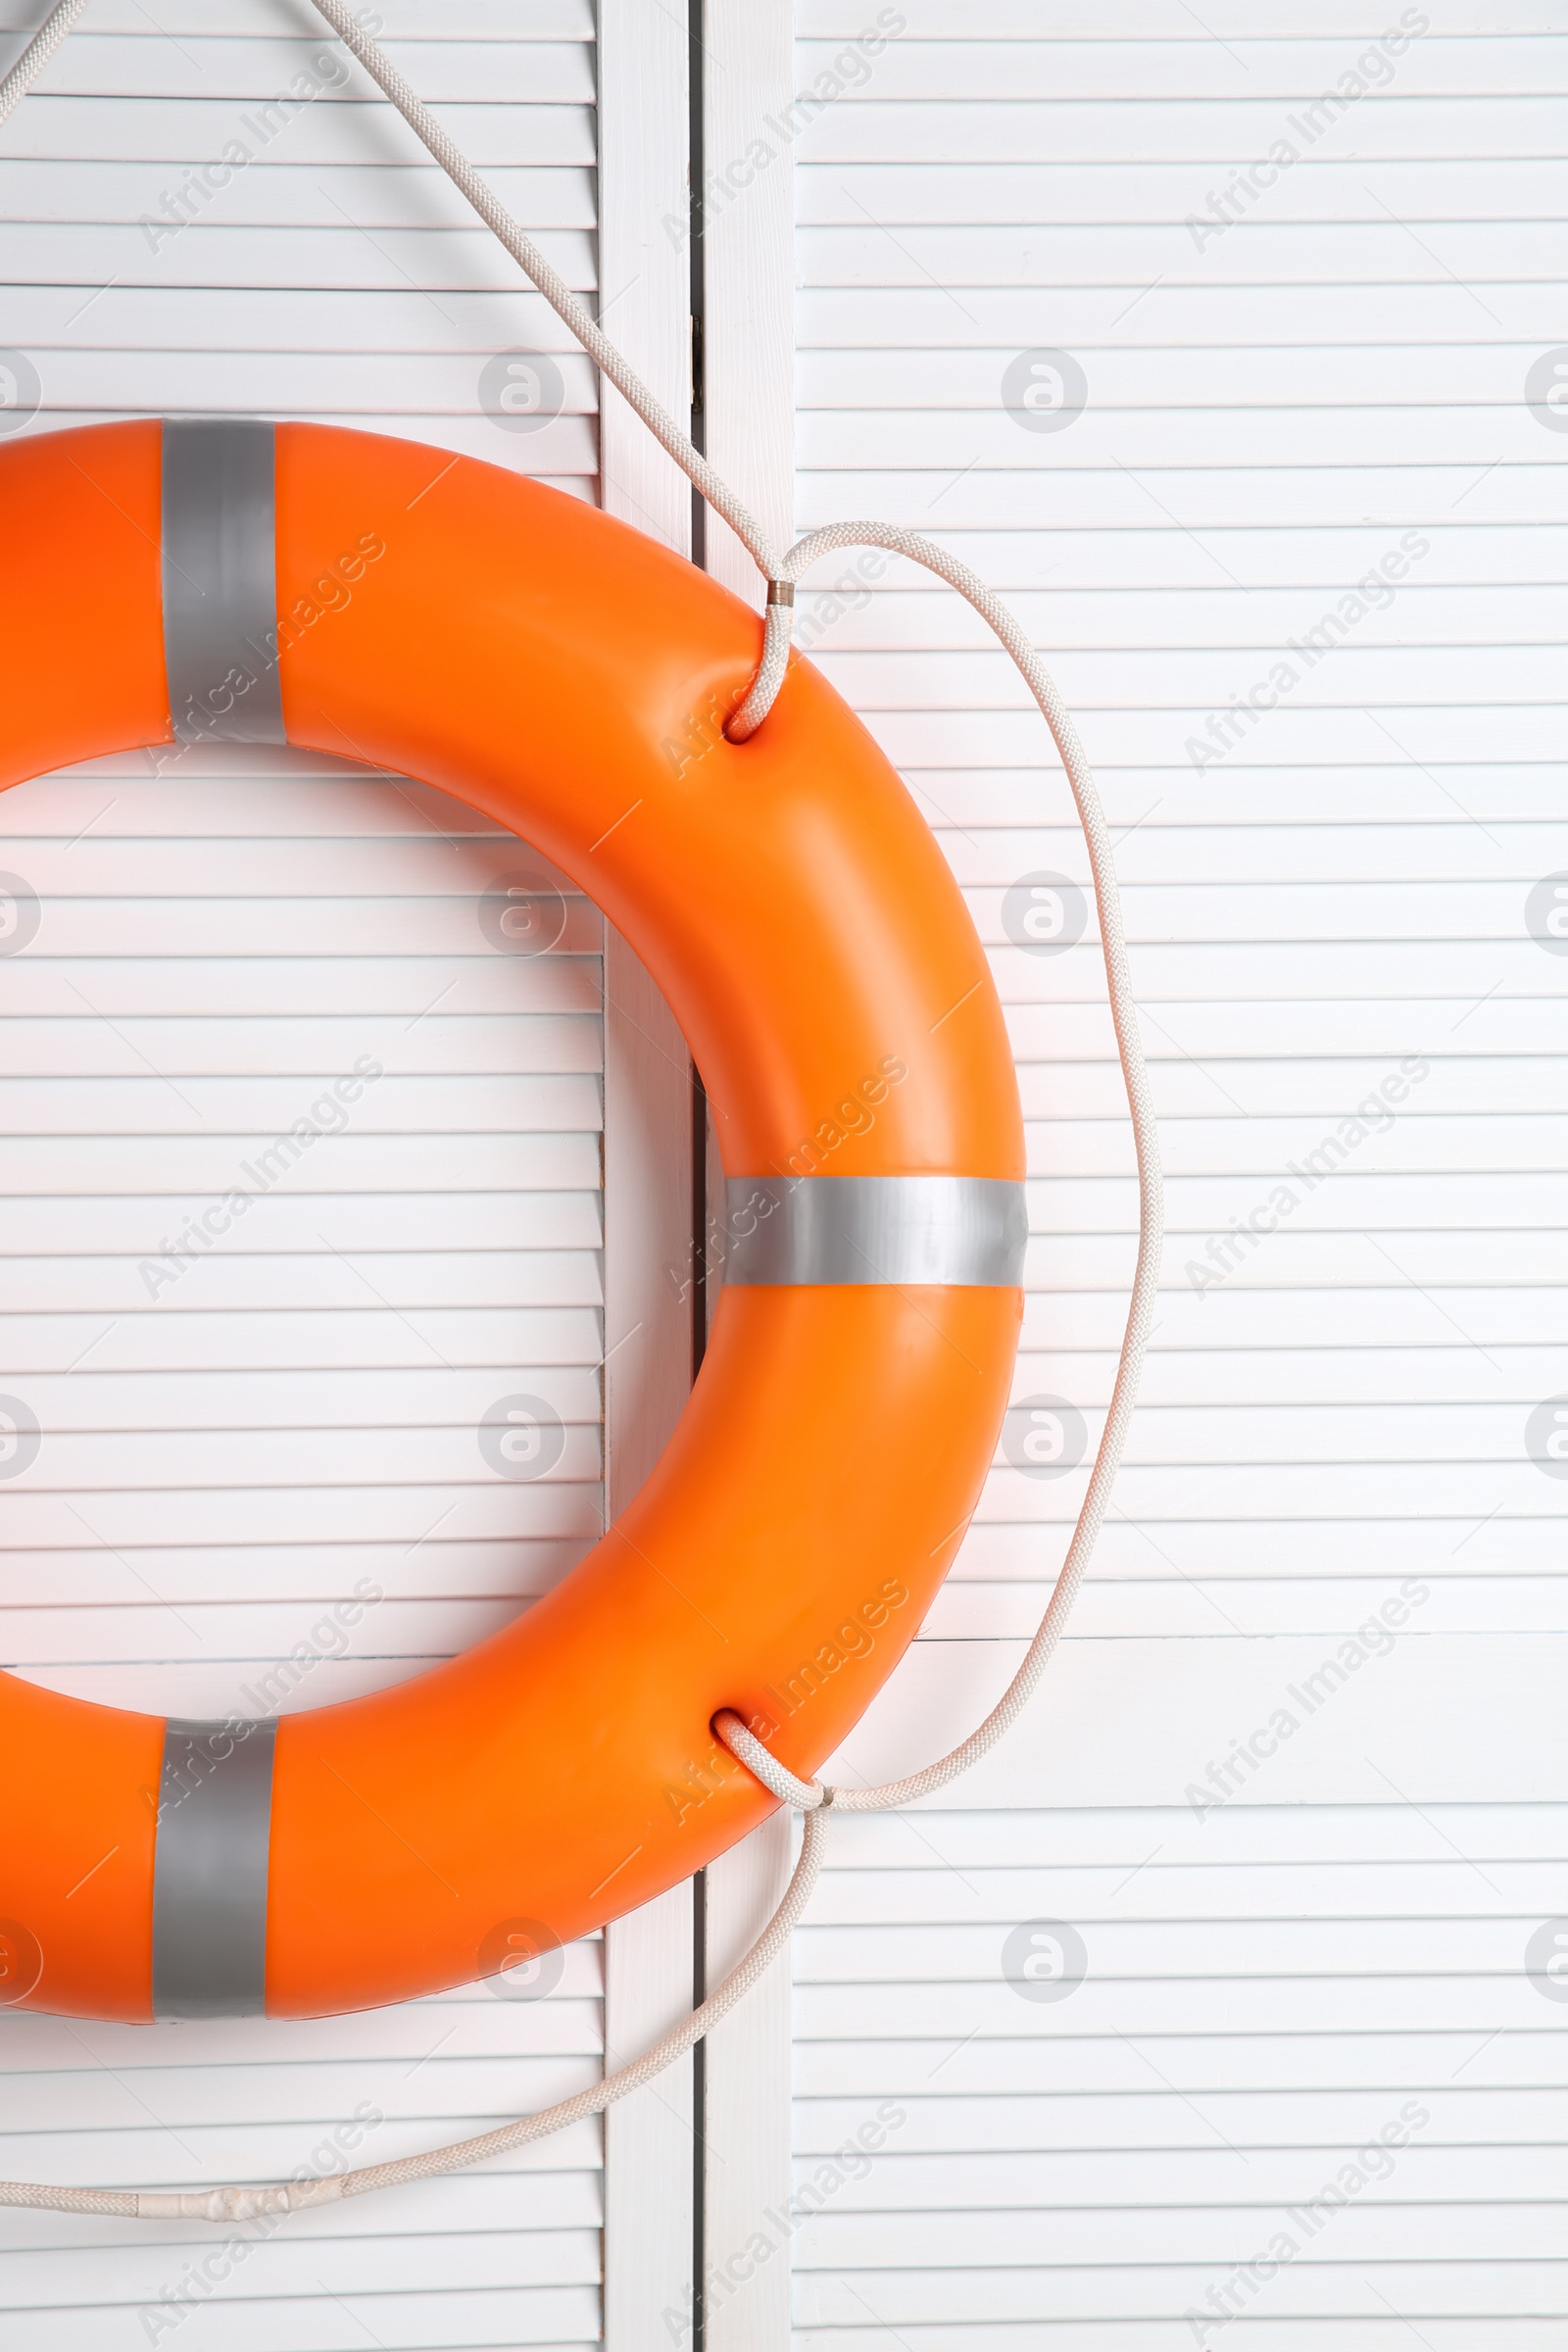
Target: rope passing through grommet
(807, 1797)
(812, 1799)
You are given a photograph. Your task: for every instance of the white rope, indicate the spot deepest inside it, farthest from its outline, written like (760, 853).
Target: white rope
(238, 2201)
(807, 1797)
(549, 282)
(1118, 984)
(37, 54)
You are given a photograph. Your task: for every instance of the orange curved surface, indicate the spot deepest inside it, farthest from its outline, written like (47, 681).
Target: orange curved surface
(553, 668)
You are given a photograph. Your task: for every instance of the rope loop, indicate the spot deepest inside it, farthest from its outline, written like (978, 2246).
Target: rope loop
(807, 1797)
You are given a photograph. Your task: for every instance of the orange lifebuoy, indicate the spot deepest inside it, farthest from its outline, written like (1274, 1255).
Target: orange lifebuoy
(452, 621)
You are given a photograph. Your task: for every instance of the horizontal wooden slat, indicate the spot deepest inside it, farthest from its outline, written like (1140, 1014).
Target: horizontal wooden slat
(568, 447)
(1147, 2011)
(57, 126)
(544, 2319)
(1174, 1602)
(1168, 20)
(1322, 2293)
(313, 984)
(849, 614)
(1378, 253)
(384, 2265)
(1281, 495)
(1382, 2333)
(282, 194)
(1005, 128)
(1194, 2177)
(1195, 312)
(334, 388)
(306, 1577)
(237, 66)
(1332, 190)
(403, 21)
(1416, 61)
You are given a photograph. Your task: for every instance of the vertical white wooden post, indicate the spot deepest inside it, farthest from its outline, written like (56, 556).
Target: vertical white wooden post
(644, 280)
(643, 253)
(747, 2124)
(650, 2158)
(749, 253)
(750, 405)
(749, 377)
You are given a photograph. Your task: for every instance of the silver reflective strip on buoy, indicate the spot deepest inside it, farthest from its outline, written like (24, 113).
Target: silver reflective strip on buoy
(875, 1229)
(220, 581)
(215, 1820)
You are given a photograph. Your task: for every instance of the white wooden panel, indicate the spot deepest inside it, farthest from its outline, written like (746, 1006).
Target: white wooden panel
(750, 135)
(230, 1453)
(745, 2243)
(643, 253)
(1285, 1782)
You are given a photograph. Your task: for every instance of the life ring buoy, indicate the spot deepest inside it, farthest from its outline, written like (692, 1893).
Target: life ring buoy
(373, 598)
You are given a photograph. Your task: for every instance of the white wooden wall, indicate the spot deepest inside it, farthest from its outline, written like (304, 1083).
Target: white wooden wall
(1268, 1982)
(1270, 410)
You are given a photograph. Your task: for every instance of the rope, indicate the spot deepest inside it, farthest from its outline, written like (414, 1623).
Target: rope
(37, 54)
(241, 2202)
(549, 282)
(1118, 984)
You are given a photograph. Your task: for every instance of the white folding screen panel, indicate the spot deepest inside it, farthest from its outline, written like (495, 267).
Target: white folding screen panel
(1216, 2006)
(269, 1447)
(1077, 2049)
